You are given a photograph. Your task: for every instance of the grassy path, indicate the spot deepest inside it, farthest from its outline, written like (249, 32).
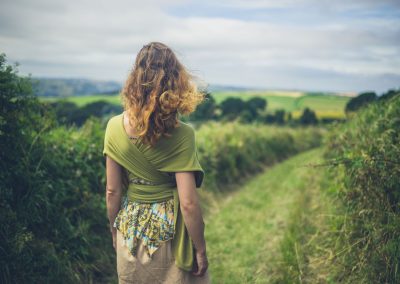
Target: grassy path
(245, 236)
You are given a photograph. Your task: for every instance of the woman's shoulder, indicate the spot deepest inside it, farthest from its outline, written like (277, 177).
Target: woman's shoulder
(112, 126)
(114, 122)
(114, 118)
(184, 126)
(183, 130)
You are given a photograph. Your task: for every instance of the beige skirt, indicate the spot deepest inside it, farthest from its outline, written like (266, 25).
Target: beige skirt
(160, 268)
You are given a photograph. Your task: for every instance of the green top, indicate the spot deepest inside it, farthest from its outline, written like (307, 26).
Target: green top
(177, 153)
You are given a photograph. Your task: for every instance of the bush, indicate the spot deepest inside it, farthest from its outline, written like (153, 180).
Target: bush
(361, 100)
(308, 117)
(52, 207)
(231, 150)
(367, 150)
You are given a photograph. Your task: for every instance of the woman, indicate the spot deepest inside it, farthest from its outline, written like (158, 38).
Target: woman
(152, 174)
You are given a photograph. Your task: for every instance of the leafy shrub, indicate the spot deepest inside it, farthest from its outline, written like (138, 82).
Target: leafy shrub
(52, 207)
(367, 150)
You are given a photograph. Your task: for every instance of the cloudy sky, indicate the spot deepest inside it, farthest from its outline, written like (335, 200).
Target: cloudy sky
(342, 45)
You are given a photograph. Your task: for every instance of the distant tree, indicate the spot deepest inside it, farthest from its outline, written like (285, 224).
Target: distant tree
(361, 100)
(389, 94)
(289, 116)
(308, 117)
(69, 113)
(96, 109)
(206, 110)
(232, 107)
(280, 116)
(255, 104)
(269, 118)
(64, 111)
(246, 116)
(111, 108)
(290, 120)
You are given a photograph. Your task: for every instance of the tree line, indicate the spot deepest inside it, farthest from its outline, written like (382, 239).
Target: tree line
(365, 98)
(232, 108)
(247, 111)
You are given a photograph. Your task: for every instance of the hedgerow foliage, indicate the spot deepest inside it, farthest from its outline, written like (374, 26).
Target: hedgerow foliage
(229, 151)
(367, 151)
(52, 215)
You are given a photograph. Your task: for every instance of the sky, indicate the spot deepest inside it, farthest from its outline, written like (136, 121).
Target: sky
(315, 45)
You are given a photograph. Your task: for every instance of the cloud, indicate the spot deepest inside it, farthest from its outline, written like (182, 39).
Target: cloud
(292, 44)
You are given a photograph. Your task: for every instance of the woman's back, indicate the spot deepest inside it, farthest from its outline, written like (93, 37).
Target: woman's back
(178, 152)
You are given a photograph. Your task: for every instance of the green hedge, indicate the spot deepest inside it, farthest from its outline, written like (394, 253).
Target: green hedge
(53, 220)
(367, 152)
(53, 225)
(229, 151)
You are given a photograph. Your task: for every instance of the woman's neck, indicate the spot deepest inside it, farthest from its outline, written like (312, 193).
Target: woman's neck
(128, 128)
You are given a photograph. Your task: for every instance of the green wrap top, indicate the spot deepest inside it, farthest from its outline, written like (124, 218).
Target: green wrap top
(157, 165)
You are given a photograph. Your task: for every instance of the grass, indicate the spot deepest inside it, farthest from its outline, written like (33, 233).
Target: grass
(307, 249)
(84, 100)
(325, 105)
(322, 102)
(249, 235)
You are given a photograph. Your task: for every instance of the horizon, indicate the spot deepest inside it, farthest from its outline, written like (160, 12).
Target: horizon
(224, 88)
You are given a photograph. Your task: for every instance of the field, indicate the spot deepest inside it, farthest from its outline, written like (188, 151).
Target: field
(84, 100)
(325, 105)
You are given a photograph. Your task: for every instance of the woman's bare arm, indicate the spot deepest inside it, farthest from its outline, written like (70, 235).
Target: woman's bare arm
(113, 189)
(193, 218)
(190, 207)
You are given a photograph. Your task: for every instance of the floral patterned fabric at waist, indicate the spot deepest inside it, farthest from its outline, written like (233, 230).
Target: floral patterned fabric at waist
(153, 223)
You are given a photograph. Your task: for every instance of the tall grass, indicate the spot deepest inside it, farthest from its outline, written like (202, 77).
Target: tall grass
(308, 247)
(252, 237)
(345, 227)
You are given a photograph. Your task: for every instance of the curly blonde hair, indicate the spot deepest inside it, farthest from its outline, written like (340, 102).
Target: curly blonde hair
(157, 90)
